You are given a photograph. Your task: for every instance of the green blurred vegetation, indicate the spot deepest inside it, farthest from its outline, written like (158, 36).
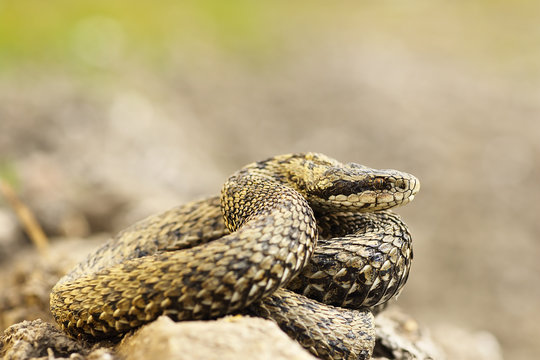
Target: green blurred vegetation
(494, 34)
(48, 31)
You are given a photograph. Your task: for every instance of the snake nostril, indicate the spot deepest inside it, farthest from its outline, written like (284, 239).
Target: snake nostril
(401, 184)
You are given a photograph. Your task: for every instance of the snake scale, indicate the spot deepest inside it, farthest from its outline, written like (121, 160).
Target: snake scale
(301, 239)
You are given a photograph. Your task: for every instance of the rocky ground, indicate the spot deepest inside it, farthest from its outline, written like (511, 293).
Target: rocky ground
(30, 331)
(31, 276)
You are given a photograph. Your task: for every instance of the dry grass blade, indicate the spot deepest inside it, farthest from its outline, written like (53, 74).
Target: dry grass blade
(26, 217)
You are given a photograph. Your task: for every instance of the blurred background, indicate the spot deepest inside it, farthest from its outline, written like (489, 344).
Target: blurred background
(111, 111)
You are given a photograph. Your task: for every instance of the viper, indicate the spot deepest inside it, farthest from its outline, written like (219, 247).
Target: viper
(301, 239)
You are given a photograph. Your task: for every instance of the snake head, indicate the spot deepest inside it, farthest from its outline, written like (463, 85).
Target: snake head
(331, 186)
(357, 188)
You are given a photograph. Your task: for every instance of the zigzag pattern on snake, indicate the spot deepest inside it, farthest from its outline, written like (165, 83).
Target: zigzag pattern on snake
(301, 239)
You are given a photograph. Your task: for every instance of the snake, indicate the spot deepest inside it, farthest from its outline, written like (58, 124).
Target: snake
(301, 239)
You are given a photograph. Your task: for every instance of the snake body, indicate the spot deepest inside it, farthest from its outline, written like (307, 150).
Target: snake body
(286, 235)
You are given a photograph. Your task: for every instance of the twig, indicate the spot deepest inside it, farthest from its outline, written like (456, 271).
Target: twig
(26, 217)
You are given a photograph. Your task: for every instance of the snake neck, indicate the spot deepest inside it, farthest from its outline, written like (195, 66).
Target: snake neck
(298, 171)
(255, 193)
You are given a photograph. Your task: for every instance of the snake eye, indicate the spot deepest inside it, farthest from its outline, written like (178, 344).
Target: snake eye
(378, 183)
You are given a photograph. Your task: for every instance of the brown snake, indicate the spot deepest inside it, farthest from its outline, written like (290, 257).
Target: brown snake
(287, 234)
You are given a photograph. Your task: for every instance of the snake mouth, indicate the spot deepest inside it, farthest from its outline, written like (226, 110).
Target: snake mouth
(368, 201)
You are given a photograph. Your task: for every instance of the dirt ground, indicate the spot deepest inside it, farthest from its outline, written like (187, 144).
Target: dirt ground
(92, 154)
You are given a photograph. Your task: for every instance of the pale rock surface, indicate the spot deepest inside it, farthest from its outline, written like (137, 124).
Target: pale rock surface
(233, 338)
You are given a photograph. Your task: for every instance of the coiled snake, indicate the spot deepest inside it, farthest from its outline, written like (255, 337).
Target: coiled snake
(287, 234)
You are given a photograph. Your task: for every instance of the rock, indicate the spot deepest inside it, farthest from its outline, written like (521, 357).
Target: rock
(233, 337)
(40, 340)
(400, 337)
(33, 339)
